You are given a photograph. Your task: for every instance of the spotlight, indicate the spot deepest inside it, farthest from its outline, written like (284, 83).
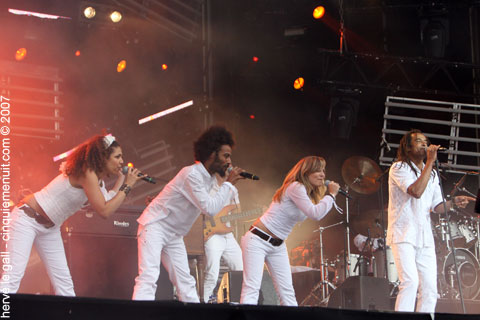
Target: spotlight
(298, 83)
(115, 16)
(89, 12)
(20, 54)
(164, 67)
(77, 53)
(318, 12)
(121, 66)
(255, 59)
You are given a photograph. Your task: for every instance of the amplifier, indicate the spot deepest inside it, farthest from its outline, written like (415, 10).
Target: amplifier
(121, 223)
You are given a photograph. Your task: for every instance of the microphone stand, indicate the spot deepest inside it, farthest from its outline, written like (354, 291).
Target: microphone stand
(347, 231)
(362, 254)
(447, 215)
(382, 213)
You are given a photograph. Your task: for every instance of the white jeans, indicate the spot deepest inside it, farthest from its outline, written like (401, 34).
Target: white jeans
(157, 245)
(25, 232)
(220, 246)
(417, 269)
(256, 252)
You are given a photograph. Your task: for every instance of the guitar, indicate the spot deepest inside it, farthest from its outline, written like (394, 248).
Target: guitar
(217, 224)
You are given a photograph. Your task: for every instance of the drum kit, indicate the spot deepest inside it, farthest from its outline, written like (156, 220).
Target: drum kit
(363, 175)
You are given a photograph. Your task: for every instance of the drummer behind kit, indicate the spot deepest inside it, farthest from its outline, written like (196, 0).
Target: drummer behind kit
(376, 260)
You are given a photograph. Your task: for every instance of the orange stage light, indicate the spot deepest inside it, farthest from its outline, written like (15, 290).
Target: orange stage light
(298, 83)
(130, 165)
(77, 53)
(318, 12)
(121, 66)
(164, 67)
(20, 54)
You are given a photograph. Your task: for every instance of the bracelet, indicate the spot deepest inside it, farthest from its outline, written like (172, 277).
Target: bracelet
(125, 188)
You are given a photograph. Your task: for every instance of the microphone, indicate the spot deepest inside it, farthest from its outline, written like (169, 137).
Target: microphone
(441, 149)
(327, 182)
(146, 178)
(247, 175)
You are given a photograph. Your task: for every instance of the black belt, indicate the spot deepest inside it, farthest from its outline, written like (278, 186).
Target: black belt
(274, 241)
(35, 215)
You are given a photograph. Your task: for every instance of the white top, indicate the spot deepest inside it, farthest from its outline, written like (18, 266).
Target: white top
(185, 197)
(234, 199)
(59, 199)
(409, 218)
(296, 206)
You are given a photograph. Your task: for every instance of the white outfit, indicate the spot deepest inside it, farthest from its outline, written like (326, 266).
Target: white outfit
(220, 246)
(163, 224)
(59, 200)
(410, 236)
(280, 218)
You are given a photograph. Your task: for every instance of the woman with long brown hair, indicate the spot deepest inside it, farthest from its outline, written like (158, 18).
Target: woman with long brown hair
(38, 217)
(303, 194)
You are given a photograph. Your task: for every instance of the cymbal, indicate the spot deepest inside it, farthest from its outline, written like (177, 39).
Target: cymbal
(360, 174)
(370, 220)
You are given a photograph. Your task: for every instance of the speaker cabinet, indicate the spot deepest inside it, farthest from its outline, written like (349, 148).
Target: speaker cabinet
(106, 266)
(231, 286)
(361, 293)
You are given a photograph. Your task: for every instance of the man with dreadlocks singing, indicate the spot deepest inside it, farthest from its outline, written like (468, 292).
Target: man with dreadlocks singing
(414, 192)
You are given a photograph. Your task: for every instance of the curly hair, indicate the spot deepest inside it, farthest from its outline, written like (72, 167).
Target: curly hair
(211, 141)
(405, 147)
(300, 173)
(91, 154)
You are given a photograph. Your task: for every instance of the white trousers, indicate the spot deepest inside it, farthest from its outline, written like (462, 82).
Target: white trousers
(24, 233)
(256, 252)
(158, 245)
(417, 270)
(220, 246)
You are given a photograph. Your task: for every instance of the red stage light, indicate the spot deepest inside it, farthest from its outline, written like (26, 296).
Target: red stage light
(318, 12)
(121, 66)
(20, 54)
(252, 116)
(255, 59)
(298, 83)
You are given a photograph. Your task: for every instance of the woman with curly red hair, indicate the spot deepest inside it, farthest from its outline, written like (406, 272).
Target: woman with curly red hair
(38, 217)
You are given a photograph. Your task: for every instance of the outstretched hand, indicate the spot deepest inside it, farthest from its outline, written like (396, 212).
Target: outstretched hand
(462, 201)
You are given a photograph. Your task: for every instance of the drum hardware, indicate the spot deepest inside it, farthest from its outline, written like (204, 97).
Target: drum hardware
(324, 283)
(447, 215)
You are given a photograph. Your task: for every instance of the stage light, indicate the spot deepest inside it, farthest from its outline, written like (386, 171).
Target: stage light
(318, 12)
(115, 16)
(121, 66)
(20, 54)
(255, 59)
(298, 83)
(164, 67)
(130, 165)
(89, 12)
(252, 116)
(165, 112)
(77, 53)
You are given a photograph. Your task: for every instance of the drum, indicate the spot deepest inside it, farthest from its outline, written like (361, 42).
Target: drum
(467, 230)
(442, 233)
(359, 266)
(380, 265)
(468, 269)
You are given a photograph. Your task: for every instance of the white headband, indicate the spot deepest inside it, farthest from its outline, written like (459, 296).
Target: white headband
(108, 140)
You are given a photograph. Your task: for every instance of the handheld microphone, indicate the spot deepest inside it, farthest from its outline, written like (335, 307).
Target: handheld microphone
(247, 175)
(341, 191)
(441, 149)
(146, 178)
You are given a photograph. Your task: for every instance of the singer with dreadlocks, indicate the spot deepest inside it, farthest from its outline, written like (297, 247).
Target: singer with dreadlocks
(414, 192)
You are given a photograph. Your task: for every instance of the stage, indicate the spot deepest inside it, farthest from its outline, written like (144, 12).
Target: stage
(29, 307)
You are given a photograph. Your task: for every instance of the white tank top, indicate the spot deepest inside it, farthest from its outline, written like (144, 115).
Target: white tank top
(59, 199)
